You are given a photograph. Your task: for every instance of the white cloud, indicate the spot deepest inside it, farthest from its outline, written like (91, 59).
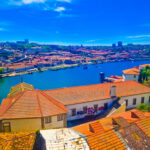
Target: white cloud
(32, 1)
(68, 1)
(25, 2)
(138, 36)
(60, 9)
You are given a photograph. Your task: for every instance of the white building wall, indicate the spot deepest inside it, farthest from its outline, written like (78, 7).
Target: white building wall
(141, 68)
(138, 100)
(128, 77)
(79, 107)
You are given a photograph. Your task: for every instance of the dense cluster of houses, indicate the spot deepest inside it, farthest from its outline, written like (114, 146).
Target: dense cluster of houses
(34, 57)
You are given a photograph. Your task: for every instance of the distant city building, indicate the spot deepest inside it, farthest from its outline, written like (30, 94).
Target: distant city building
(114, 45)
(120, 44)
(130, 44)
(26, 41)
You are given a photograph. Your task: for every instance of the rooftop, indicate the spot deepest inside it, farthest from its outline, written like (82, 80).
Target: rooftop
(19, 88)
(87, 93)
(20, 141)
(132, 71)
(30, 104)
(144, 65)
(63, 139)
(128, 129)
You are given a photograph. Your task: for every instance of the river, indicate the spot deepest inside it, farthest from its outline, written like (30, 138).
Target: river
(67, 78)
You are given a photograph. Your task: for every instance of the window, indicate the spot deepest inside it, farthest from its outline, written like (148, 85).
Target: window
(6, 127)
(134, 101)
(85, 109)
(126, 102)
(74, 112)
(60, 117)
(134, 76)
(95, 108)
(47, 119)
(149, 99)
(142, 100)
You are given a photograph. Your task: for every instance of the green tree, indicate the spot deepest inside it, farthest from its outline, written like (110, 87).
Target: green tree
(1, 70)
(147, 67)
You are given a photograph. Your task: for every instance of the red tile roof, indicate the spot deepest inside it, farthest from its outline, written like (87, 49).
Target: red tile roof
(82, 94)
(102, 136)
(132, 71)
(105, 141)
(144, 124)
(30, 104)
(144, 65)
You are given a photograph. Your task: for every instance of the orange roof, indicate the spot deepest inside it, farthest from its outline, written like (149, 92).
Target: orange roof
(106, 124)
(118, 80)
(105, 141)
(144, 65)
(30, 104)
(100, 134)
(130, 116)
(132, 71)
(144, 124)
(82, 94)
(90, 128)
(19, 88)
(20, 140)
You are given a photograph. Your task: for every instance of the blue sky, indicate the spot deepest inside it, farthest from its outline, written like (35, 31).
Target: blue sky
(88, 22)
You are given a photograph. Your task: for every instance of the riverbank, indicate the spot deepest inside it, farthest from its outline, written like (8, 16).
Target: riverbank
(70, 77)
(55, 68)
(64, 66)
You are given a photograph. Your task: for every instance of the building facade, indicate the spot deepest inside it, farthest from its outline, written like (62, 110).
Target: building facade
(28, 109)
(131, 74)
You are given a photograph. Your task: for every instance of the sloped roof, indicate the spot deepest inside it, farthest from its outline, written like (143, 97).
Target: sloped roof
(20, 140)
(134, 124)
(132, 71)
(87, 93)
(105, 141)
(144, 124)
(19, 88)
(144, 65)
(30, 104)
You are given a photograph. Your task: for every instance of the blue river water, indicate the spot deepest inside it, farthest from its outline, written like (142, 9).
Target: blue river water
(67, 78)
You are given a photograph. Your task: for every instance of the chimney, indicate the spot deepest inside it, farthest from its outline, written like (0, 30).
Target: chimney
(113, 91)
(102, 77)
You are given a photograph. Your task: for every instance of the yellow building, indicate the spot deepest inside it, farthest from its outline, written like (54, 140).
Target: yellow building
(19, 88)
(30, 110)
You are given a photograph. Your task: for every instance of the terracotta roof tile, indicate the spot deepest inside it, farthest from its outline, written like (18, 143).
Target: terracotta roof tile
(20, 141)
(144, 65)
(144, 124)
(82, 94)
(19, 88)
(132, 71)
(30, 104)
(105, 141)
